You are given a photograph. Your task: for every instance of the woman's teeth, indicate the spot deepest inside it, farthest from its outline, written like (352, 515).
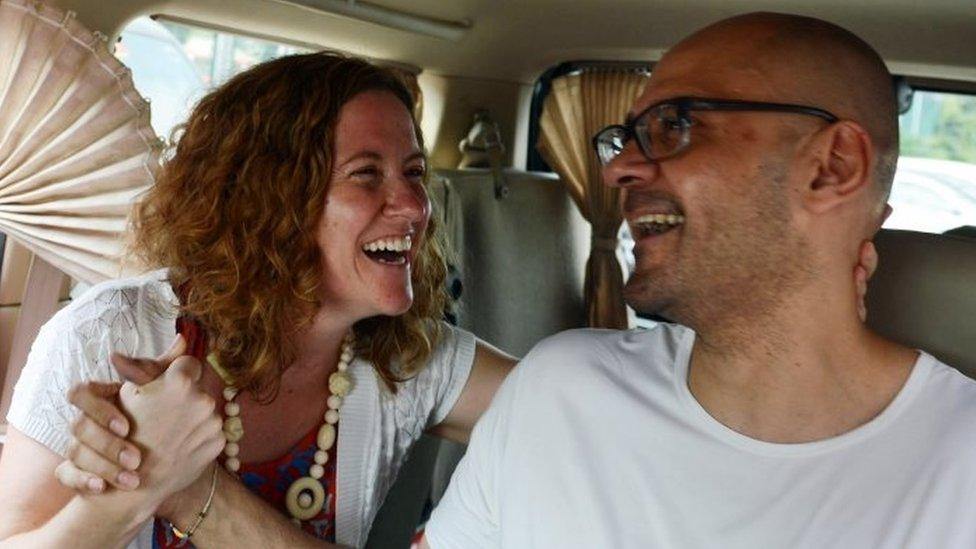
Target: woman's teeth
(394, 244)
(389, 250)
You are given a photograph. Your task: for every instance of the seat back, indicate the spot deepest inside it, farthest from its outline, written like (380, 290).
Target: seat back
(521, 257)
(924, 294)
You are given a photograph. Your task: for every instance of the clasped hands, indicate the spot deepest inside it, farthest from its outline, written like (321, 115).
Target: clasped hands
(157, 432)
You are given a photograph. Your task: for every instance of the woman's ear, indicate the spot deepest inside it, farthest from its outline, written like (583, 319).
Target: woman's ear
(844, 167)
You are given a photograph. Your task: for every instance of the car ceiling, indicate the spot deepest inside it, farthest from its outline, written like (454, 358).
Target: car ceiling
(515, 40)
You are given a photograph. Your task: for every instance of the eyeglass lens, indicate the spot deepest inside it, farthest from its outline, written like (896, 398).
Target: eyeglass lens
(660, 132)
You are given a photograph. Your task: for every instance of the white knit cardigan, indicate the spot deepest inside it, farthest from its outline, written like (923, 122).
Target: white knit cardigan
(137, 316)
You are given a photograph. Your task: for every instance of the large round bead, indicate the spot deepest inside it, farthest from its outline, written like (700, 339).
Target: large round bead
(293, 502)
(334, 402)
(340, 383)
(327, 436)
(233, 429)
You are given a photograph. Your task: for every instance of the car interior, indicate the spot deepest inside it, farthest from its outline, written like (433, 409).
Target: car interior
(504, 88)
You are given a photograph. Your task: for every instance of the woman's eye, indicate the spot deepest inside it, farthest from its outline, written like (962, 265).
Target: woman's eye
(416, 172)
(367, 172)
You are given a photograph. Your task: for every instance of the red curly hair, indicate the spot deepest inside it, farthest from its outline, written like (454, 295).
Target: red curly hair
(234, 212)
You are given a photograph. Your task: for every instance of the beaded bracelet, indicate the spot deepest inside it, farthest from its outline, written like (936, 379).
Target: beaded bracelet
(203, 512)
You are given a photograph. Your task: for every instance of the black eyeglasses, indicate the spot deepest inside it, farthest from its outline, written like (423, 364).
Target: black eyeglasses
(664, 128)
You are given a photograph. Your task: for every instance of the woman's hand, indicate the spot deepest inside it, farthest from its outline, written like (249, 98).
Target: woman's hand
(99, 452)
(867, 263)
(176, 424)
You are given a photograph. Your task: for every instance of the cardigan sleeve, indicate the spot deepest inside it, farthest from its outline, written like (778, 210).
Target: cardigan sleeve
(74, 347)
(448, 371)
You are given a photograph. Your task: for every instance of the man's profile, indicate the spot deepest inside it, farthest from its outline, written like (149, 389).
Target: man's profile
(758, 158)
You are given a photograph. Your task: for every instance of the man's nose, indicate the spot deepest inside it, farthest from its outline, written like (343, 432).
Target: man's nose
(629, 168)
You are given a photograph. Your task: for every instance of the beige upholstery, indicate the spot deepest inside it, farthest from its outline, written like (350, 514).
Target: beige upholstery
(924, 294)
(523, 257)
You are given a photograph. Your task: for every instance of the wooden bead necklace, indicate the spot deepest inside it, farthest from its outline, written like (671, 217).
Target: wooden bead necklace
(305, 496)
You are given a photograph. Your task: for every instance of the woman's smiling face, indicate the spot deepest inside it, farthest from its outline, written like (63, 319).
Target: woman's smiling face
(376, 209)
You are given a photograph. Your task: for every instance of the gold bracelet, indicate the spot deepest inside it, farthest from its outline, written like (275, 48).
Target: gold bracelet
(203, 512)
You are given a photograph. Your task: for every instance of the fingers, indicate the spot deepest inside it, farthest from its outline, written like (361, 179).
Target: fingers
(115, 449)
(177, 349)
(868, 257)
(88, 461)
(861, 283)
(186, 367)
(208, 438)
(144, 370)
(75, 479)
(95, 400)
(137, 370)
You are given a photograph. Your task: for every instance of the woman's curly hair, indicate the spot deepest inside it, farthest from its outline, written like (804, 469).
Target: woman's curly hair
(233, 217)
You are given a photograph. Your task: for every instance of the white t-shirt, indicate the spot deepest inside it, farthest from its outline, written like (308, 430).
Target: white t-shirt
(596, 441)
(137, 316)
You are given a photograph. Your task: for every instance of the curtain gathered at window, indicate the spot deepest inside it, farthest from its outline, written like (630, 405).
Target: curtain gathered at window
(76, 146)
(76, 149)
(579, 105)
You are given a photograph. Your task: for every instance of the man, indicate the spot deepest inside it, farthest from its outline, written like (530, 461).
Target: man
(778, 419)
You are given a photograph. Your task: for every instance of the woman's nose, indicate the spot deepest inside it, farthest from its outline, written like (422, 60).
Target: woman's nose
(408, 199)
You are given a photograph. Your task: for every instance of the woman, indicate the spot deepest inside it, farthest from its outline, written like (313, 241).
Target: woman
(303, 270)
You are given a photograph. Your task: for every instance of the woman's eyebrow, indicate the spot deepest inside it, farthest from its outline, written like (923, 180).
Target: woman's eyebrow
(416, 155)
(370, 155)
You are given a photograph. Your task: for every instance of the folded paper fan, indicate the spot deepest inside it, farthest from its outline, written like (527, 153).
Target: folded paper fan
(76, 146)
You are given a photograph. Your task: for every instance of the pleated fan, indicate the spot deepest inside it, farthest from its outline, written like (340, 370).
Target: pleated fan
(76, 146)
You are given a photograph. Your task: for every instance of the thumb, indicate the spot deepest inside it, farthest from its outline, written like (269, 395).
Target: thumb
(144, 370)
(137, 370)
(177, 349)
(186, 366)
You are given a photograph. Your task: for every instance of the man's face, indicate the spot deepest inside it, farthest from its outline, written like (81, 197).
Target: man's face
(736, 250)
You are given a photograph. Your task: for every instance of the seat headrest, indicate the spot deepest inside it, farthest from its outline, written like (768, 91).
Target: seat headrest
(924, 294)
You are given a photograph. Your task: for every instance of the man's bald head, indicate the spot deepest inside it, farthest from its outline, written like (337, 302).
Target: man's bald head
(795, 59)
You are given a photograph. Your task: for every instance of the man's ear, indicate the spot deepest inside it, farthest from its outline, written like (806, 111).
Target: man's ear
(844, 171)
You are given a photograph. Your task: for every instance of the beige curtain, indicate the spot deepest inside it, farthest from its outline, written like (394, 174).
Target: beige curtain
(76, 147)
(578, 106)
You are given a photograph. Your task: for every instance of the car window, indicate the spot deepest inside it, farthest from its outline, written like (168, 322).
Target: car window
(174, 64)
(935, 185)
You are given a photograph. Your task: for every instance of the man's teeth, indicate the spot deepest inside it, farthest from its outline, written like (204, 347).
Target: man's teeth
(660, 219)
(395, 244)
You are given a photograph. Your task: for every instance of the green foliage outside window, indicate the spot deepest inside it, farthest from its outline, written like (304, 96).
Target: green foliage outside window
(940, 125)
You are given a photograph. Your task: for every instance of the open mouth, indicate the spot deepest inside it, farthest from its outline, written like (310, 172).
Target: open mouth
(392, 250)
(655, 224)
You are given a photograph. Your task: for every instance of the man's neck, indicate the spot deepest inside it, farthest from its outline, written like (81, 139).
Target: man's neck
(806, 371)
